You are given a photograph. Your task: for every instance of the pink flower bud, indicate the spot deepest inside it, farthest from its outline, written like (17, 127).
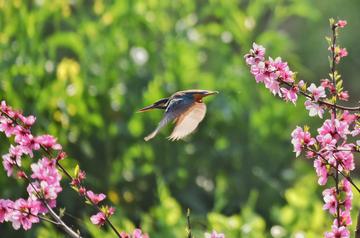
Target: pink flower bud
(341, 23)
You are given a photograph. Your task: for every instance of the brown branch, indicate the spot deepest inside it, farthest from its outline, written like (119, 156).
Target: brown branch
(333, 70)
(67, 229)
(328, 104)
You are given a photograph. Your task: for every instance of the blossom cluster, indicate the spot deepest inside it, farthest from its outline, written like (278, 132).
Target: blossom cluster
(276, 75)
(330, 149)
(44, 182)
(332, 155)
(272, 73)
(280, 80)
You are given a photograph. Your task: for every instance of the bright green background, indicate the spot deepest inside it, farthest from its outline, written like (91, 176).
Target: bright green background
(76, 66)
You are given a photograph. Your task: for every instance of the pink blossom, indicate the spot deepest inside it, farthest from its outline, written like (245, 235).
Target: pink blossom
(9, 162)
(325, 83)
(345, 186)
(17, 152)
(345, 218)
(24, 138)
(61, 155)
(255, 55)
(356, 131)
(300, 139)
(5, 209)
(123, 234)
(343, 52)
(289, 94)
(310, 154)
(28, 121)
(327, 141)
(314, 108)
(21, 134)
(214, 234)
(335, 128)
(338, 232)
(344, 95)
(346, 159)
(7, 126)
(264, 72)
(81, 175)
(82, 191)
(98, 219)
(317, 92)
(48, 141)
(340, 53)
(6, 109)
(341, 23)
(330, 200)
(24, 214)
(45, 170)
(273, 85)
(321, 171)
(348, 117)
(138, 234)
(282, 70)
(95, 198)
(48, 191)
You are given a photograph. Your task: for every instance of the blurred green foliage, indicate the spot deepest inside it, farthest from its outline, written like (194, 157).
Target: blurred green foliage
(84, 67)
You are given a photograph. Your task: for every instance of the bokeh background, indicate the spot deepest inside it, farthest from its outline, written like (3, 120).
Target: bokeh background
(85, 67)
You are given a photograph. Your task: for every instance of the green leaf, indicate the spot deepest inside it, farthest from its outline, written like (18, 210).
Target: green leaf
(62, 211)
(76, 171)
(339, 86)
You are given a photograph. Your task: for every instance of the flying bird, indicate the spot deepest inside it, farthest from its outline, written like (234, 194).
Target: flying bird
(185, 108)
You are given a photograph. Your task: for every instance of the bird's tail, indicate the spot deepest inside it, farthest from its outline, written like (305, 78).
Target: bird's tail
(160, 104)
(166, 119)
(152, 135)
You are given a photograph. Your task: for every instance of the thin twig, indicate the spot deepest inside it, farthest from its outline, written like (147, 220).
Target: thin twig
(333, 70)
(188, 229)
(328, 104)
(67, 229)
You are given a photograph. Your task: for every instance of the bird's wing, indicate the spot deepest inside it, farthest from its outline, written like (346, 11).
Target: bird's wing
(187, 122)
(176, 107)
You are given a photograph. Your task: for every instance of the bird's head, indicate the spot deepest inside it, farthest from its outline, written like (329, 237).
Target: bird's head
(198, 95)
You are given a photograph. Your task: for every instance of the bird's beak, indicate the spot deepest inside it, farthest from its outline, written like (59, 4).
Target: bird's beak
(208, 93)
(147, 108)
